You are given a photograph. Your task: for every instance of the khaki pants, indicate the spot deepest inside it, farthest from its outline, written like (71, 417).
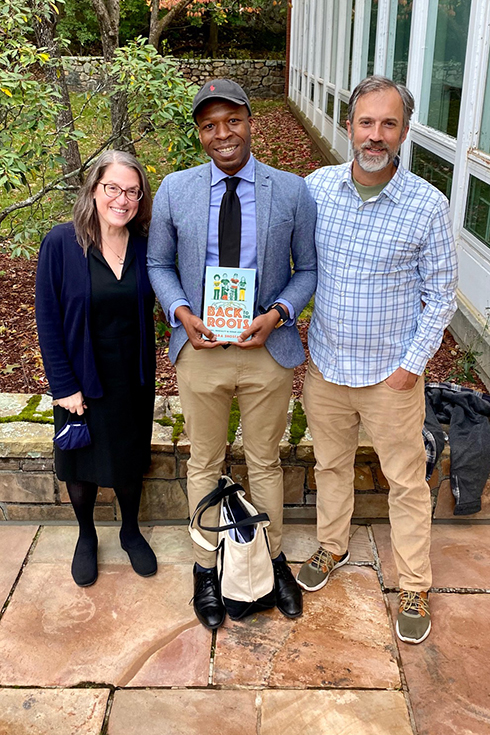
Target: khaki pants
(393, 419)
(207, 380)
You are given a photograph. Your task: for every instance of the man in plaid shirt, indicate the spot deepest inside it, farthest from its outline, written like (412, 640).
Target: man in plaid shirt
(387, 274)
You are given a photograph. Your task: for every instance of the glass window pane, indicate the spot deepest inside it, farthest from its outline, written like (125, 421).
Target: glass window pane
(322, 42)
(329, 104)
(372, 38)
(477, 217)
(402, 41)
(349, 34)
(335, 34)
(484, 144)
(447, 32)
(432, 168)
(343, 108)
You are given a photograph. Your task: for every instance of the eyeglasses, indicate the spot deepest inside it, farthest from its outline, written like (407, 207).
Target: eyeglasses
(113, 191)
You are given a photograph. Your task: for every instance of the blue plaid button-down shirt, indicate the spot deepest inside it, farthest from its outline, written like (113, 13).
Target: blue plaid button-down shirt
(379, 261)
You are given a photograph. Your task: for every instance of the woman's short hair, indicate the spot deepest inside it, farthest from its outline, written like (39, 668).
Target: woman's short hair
(85, 216)
(377, 83)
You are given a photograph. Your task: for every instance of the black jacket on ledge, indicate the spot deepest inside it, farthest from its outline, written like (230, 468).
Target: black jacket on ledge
(467, 412)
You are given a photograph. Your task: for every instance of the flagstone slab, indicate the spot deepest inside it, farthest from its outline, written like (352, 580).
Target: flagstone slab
(300, 542)
(460, 556)
(172, 544)
(177, 663)
(50, 711)
(12, 404)
(334, 713)
(25, 439)
(56, 544)
(448, 673)
(179, 712)
(54, 633)
(342, 640)
(15, 542)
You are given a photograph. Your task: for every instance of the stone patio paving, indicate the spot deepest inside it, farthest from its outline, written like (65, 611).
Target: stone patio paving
(128, 657)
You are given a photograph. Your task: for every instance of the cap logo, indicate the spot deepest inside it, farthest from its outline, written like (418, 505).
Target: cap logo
(212, 88)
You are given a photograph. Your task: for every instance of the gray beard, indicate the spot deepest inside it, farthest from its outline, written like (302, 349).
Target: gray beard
(371, 165)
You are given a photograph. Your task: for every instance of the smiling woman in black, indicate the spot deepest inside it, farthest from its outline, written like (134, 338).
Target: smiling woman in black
(94, 307)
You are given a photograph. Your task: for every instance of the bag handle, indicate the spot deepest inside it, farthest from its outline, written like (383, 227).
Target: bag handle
(225, 488)
(75, 418)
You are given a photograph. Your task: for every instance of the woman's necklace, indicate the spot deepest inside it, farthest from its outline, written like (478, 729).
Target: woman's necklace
(120, 258)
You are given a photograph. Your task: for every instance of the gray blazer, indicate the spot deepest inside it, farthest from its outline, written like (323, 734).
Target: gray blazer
(286, 215)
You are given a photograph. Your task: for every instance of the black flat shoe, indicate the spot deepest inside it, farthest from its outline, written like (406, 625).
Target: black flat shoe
(84, 564)
(208, 604)
(141, 556)
(289, 599)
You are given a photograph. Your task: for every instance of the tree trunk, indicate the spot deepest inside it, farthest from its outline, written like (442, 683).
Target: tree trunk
(45, 27)
(212, 45)
(158, 26)
(108, 12)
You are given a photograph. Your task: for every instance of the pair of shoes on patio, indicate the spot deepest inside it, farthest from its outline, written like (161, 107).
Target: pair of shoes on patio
(84, 565)
(208, 603)
(413, 621)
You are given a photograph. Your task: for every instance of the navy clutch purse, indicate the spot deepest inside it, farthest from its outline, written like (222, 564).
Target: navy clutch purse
(74, 434)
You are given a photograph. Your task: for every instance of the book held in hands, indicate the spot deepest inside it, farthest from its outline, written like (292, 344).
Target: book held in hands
(229, 295)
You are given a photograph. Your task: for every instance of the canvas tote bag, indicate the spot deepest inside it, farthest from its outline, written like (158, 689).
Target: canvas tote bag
(244, 560)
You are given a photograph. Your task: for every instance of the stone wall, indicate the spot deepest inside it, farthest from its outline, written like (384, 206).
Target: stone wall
(30, 491)
(260, 78)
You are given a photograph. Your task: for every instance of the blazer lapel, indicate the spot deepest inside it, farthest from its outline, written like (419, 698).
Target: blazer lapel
(263, 197)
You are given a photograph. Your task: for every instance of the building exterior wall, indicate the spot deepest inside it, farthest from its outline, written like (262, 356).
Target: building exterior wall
(440, 50)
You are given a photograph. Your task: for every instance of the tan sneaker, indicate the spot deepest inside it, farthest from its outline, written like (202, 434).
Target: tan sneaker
(413, 622)
(315, 572)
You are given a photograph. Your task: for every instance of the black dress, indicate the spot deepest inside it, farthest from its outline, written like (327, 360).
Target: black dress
(120, 422)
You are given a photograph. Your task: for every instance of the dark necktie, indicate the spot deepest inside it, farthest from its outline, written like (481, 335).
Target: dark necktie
(230, 226)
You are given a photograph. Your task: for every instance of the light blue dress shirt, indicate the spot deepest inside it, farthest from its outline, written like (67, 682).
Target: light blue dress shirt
(248, 242)
(379, 261)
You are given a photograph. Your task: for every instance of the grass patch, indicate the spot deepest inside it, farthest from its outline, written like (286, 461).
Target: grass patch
(298, 424)
(234, 420)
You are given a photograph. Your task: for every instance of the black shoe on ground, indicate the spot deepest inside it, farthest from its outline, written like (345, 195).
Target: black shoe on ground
(289, 599)
(208, 604)
(141, 556)
(84, 564)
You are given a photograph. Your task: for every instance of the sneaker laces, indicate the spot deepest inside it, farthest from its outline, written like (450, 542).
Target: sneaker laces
(322, 558)
(412, 603)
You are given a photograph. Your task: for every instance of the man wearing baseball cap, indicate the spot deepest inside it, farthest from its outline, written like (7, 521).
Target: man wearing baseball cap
(236, 212)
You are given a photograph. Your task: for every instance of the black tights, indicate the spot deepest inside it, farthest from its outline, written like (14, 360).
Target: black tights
(83, 496)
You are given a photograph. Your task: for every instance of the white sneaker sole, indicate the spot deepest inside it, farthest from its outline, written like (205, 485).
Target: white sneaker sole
(324, 582)
(412, 640)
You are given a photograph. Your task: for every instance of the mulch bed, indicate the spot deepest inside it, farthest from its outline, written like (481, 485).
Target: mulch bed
(279, 140)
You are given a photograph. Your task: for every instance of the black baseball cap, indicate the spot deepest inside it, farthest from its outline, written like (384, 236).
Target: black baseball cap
(223, 89)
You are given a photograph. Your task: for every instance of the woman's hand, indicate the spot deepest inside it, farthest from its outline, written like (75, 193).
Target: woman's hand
(74, 403)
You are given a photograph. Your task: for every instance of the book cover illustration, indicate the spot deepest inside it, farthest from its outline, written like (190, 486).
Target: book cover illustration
(229, 295)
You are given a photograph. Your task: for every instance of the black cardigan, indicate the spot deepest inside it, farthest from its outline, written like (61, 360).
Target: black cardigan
(63, 289)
